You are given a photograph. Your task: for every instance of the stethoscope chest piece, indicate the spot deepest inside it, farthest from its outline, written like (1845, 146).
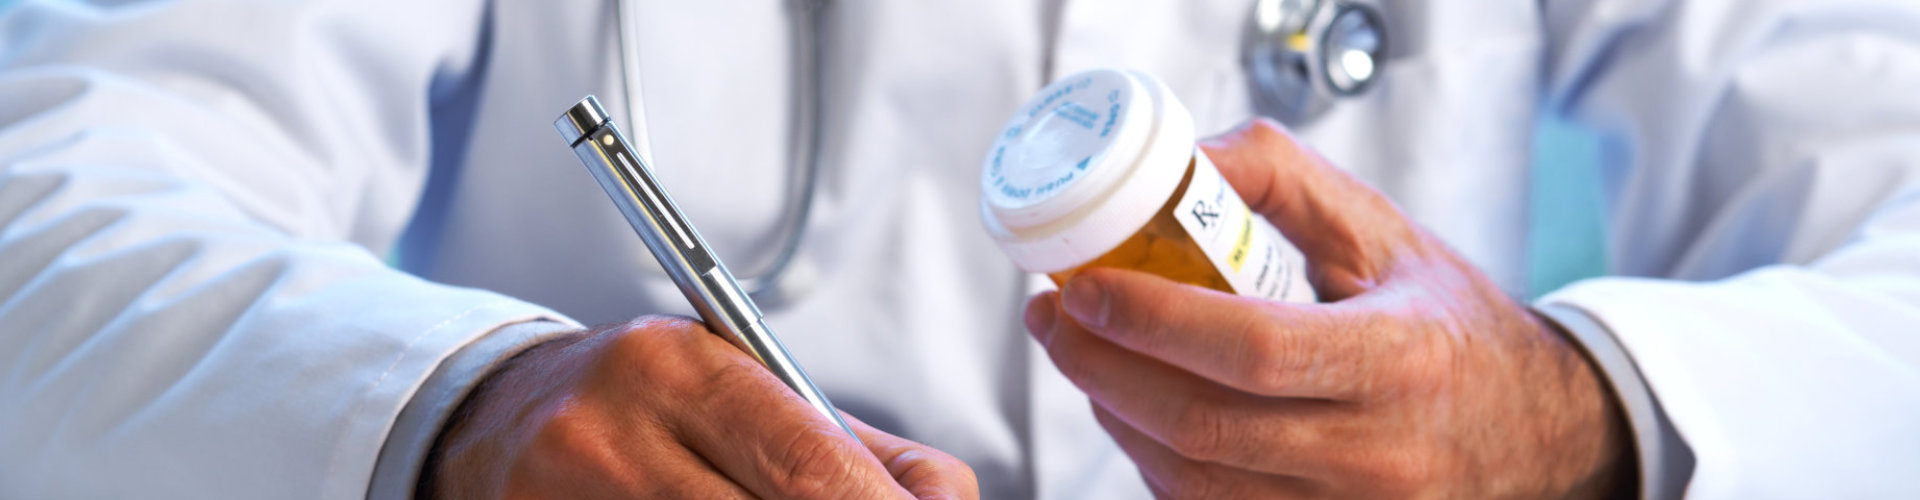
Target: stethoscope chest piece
(1304, 55)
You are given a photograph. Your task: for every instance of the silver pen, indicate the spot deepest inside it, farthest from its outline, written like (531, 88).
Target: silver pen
(685, 256)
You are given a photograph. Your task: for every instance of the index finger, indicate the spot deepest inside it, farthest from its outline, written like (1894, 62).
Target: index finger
(768, 439)
(1257, 346)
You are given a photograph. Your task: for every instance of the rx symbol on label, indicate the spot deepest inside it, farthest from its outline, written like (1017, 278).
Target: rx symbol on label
(1206, 213)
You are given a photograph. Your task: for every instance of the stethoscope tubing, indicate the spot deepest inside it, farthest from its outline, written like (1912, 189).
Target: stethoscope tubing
(767, 285)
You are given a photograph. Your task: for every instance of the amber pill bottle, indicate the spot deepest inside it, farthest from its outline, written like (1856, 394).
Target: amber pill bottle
(1100, 170)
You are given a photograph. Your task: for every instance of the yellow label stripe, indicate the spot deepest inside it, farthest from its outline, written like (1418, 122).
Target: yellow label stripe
(1239, 255)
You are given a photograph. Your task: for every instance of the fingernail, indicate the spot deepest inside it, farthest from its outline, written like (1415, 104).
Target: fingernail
(1041, 316)
(1086, 302)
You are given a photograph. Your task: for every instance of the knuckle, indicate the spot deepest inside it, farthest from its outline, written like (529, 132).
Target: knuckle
(655, 348)
(730, 389)
(814, 466)
(934, 467)
(1264, 365)
(736, 386)
(1147, 318)
(630, 343)
(1265, 131)
(1199, 433)
(569, 439)
(962, 474)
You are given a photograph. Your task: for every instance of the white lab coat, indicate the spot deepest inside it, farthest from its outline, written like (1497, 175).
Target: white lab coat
(194, 196)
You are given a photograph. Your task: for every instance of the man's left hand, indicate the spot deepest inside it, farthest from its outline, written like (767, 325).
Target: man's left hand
(1416, 378)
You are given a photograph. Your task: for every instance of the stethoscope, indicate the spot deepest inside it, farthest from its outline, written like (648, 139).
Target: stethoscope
(1304, 55)
(1301, 56)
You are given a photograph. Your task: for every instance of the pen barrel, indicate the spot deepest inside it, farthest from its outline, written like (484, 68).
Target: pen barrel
(682, 253)
(734, 317)
(790, 373)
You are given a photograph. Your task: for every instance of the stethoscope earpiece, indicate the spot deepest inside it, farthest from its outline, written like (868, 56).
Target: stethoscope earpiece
(1303, 55)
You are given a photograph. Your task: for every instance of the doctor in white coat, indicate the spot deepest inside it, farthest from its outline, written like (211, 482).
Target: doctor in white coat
(195, 196)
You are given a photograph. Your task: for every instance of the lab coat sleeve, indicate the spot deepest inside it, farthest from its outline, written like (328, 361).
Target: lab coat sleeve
(1763, 160)
(188, 194)
(1665, 463)
(404, 456)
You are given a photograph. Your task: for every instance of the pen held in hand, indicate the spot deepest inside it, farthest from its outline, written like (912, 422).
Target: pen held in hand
(719, 299)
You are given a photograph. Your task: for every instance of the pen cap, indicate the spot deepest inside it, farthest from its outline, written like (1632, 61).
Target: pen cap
(1082, 166)
(580, 119)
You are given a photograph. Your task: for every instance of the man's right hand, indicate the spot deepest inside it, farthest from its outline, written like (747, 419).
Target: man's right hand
(660, 408)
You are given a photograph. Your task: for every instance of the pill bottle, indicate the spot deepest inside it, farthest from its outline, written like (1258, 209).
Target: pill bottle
(1100, 170)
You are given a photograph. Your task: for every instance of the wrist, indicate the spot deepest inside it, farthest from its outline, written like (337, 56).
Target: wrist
(1593, 441)
(453, 440)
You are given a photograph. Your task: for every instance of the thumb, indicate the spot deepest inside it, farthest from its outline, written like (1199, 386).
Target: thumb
(1349, 232)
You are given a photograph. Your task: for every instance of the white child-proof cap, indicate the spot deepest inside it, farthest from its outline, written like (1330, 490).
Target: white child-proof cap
(1082, 167)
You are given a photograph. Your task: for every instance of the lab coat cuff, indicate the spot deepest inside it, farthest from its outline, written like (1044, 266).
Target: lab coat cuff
(418, 425)
(1665, 461)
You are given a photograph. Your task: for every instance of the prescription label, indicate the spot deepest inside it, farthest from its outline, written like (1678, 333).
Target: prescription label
(1250, 253)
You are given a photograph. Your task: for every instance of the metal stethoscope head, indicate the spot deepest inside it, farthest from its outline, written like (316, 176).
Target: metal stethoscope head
(1302, 55)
